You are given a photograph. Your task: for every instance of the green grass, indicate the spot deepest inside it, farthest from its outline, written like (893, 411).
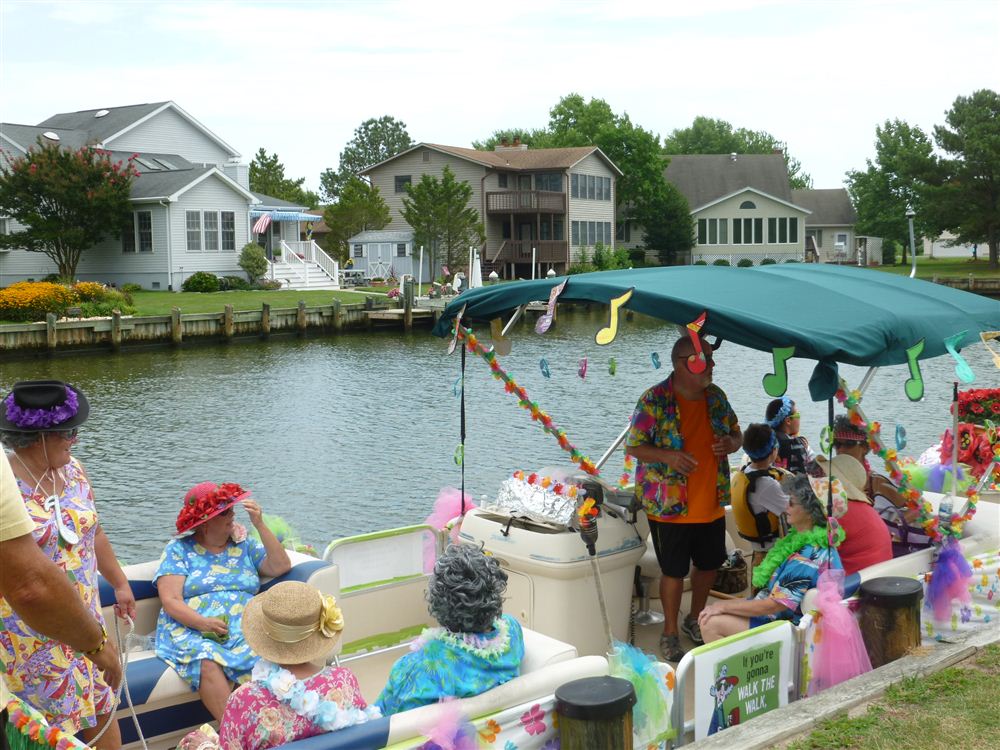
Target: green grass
(954, 708)
(953, 267)
(160, 303)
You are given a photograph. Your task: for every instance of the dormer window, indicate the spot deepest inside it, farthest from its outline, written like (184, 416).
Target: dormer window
(748, 204)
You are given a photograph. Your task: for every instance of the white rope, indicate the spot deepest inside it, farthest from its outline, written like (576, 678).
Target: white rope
(123, 651)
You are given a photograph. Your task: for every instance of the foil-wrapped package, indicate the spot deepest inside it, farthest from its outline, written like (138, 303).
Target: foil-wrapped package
(516, 497)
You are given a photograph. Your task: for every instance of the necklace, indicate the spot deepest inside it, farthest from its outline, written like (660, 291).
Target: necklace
(52, 501)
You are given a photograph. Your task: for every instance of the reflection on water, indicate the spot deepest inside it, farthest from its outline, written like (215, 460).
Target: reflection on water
(350, 434)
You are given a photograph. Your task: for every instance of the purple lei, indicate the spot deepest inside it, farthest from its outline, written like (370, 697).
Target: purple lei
(39, 419)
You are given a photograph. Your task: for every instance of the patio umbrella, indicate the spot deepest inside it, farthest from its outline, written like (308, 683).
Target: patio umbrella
(476, 272)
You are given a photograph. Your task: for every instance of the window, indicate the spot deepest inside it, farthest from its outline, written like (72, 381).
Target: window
(400, 249)
(164, 163)
(591, 186)
(607, 233)
(842, 238)
(591, 229)
(714, 231)
(402, 180)
(193, 231)
(558, 231)
(607, 188)
(748, 204)
(574, 186)
(793, 229)
(426, 156)
(737, 231)
(144, 225)
(211, 224)
(359, 251)
(623, 231)
(128, 235)
(816, 234)
(229, 230)
(502, 180)
(576, 231)
(713, 234)
(505, 229)
(551, 181)
(772, 230)
(758, 231)
(782, 230)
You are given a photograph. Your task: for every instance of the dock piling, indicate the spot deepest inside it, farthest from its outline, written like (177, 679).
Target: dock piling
(265, 320)
(176, 329)
(300, 318)
(50, 330)
(116, 329)
(227, 322)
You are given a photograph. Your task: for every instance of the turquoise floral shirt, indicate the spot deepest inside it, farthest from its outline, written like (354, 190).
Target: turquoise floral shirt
(656, 421)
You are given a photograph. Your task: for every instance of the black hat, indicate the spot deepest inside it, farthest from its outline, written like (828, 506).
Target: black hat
(43, 406)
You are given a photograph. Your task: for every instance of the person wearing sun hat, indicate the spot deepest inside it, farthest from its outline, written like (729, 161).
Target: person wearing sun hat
(868, 540)
(792, 566)
(39, 421)
(206, 577)
(294, 629)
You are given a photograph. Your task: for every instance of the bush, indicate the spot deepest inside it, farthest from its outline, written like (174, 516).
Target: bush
(637, 257)
(201, 281)
(32, 300)
(701, 262)
(90, 291)
(130, 289)
(253, 261)
(720, 262)
(112, 301)
(791, 260)
(233, 283)
(768, 262)
(744, 263)
(267, 284)
(888, 253)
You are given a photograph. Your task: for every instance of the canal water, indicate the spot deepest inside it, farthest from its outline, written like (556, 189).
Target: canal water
(355, 433)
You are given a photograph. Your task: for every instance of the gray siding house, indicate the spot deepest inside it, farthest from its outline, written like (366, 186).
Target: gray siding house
(555, 202)
(191, 202)
(830, 224)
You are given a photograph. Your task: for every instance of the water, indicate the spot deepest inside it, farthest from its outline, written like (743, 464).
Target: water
(351, 434)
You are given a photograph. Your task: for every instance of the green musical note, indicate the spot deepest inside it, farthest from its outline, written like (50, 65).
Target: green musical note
(914, 386)
(776, 383)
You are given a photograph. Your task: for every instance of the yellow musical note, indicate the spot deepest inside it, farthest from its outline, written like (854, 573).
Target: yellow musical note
(607, 334)
(986, 337)
(501, 344)
(776, 383)
(914, 385)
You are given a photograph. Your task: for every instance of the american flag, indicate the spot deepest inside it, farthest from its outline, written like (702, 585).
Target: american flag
(261, 225)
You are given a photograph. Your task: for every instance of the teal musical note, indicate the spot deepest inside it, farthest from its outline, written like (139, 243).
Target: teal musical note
(655, 358)
(962, 369)
(914, 385)
(543, 365)
(900, 437)
(776, 383)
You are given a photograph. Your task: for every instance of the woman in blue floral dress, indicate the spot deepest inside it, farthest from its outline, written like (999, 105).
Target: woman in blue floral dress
(205, 579)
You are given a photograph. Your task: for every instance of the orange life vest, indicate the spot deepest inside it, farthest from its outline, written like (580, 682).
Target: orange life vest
(760, 527)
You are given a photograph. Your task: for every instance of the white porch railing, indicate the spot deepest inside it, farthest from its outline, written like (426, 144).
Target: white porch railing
(313, 253)
(291, 258)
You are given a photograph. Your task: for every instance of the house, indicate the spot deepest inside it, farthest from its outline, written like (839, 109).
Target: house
(546, 204)
(742, 206)
(830, 224)
(192, 204)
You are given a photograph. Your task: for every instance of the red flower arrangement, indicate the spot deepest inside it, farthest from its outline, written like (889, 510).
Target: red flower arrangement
(978, 405)
(205, 501)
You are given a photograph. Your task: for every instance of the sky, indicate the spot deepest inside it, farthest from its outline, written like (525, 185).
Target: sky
(297, 78)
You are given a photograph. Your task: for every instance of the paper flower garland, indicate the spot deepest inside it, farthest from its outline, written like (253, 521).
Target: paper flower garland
(511, 386)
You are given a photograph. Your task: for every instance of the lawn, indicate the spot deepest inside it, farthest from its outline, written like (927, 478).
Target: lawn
(954, 708)
(160, 303)
(927, 268)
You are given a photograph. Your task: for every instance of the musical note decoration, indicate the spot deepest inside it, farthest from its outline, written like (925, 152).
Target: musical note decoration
(914, 385)
(607, 334)
(697, 362)
(986, 337)
(655, 359)
(501, 343)
(582, 370)
(962, 369)
(776, 383)
(543, 365)
(826, 440)
(458, 324)
(900, 437)
(612, 366)
(457, 386)
(545, 319)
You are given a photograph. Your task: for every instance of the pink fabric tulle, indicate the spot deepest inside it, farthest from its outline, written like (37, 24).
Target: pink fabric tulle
(950, 580)
(447, 506)
(840, 650)
(451, 731)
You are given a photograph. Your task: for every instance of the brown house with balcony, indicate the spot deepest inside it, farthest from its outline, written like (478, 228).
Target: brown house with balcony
(549, 204)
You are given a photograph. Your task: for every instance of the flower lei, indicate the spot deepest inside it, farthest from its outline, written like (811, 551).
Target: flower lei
(31, 724)
(327, 715)
(928, 520)
(474, 346)
(817, 536)
(28, 418)
(484, 646)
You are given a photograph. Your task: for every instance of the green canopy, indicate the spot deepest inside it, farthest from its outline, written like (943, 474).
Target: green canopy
(828, 313)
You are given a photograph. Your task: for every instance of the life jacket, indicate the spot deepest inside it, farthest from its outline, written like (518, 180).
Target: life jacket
(754, 527)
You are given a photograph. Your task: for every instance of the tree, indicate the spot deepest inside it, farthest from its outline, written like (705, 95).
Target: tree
(963, 192)
(890, 185)
(267, 175)
(360, 207)
(710, 136)
(66, 201)
(374, 141)
(442, 219)
(668, 224)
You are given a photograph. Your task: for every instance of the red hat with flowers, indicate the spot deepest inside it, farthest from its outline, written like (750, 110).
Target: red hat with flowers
(207, 500)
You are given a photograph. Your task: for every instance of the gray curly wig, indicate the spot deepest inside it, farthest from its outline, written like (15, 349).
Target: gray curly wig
(465, 593)
(798, 486)
(14, 439)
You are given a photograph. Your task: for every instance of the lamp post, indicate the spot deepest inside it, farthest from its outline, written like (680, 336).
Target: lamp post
(910, 213)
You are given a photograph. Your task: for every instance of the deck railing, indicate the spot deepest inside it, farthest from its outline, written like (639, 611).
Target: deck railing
(519, 251)
(526, 201)
(313, 253)
(291, 258)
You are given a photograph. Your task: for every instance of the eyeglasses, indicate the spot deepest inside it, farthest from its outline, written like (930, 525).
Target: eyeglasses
(67, 434)
(794, 415)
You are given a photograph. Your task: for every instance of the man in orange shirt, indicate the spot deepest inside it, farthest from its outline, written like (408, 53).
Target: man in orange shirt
(682, 430)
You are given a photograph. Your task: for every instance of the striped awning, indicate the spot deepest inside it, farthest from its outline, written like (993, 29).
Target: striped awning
(285, 215)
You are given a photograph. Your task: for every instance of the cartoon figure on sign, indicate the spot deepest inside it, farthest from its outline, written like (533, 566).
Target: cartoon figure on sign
(720, 691)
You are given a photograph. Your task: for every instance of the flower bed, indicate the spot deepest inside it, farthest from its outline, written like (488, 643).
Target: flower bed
(979, 405)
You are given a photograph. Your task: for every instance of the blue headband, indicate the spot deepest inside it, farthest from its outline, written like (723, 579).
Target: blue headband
(763, 452)
(783, 413)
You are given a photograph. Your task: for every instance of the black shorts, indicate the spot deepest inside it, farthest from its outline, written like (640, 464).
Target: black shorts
(677, 545)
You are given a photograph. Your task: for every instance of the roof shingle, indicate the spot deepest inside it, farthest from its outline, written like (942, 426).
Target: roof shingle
(703, 178)
(830, 206)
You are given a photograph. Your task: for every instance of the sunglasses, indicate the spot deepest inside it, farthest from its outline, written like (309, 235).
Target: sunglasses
(794, 415)
(66, 434)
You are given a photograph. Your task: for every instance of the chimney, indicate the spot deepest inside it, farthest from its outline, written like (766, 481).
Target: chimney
(778, 151)
(517, 141)
(732, 156)
(504, 142)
